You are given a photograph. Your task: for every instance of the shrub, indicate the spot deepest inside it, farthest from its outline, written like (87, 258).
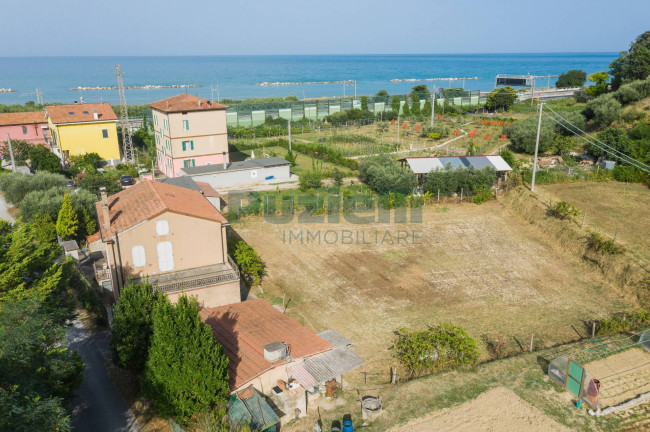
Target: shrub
(572, 117)
(88, 296)
(572, 78)
(310, 180)
(603, 110)
(483, 194)
(352, 138)
(439, 348)
(501, 98)
(133, 325)
(41, 159)
(383, 175)
(564, 210)
(49, 202)
(248, 261)
(627, 93)
(337, 176)
(524, 133)
(465, 180)
(187, 370)
(15, 186)
(613, 137)
(602, 245)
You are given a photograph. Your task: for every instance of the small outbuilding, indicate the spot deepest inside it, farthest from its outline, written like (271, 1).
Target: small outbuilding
(245, 173)
(421, 166)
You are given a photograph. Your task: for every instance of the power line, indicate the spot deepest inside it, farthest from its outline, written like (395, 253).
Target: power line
(596, 139)
(624, 158)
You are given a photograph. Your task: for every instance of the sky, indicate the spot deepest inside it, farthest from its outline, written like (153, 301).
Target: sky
(249, 27)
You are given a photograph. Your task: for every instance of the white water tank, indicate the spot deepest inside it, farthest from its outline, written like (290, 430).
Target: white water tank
(275, 351)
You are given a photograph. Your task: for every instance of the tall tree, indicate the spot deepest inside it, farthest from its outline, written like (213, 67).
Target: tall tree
(633, 64)
(133, 325)
(600, 83)
(187, 370)
(405, 108)
(415, 103)
(572, 78)
(501, 98)
(395, 103)
(67, 223)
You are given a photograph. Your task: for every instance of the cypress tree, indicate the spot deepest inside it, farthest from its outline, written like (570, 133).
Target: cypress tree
(405, 108)
(133, 326)
(67, 223)
(415, 104)
(187, 370)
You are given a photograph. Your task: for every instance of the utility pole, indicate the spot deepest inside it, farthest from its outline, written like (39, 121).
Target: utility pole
(11, 152)
(433, 103)
(355, 88)
(39, 97)
(532, 90)
(127, 140)
(539, 128)
(398, 128)
(289, 127)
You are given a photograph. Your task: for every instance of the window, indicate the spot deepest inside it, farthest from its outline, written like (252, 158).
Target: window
(189, 144)
(139, 259)
(184, 145)
(24, 130)
(104, 133)
(188, 163)
(85, 112)
(70, 112)
(162, 227)
(165, 256)
(155, 120)
(186, 125)
(165, 123)
(192, 145)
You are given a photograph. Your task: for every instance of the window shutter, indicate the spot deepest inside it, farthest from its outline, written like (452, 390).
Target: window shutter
(192, 144)
(139, 258)
(184, 145)
(165, 256)
(162, 227)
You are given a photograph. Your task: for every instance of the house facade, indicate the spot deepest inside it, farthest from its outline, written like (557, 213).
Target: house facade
(189, 131)
(29, 126)
(78, 129)
(169, 236)
(275, 355)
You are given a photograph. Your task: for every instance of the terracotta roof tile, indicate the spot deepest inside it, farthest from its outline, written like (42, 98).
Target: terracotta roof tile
(81, 113)
(148, 199)
(207, 189)
(245, 328)
(186, 102)
(21, 118)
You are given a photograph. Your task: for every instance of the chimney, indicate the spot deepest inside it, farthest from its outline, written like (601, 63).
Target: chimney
(198, 101)
(105, 214)
(225, 164)
(95, 115)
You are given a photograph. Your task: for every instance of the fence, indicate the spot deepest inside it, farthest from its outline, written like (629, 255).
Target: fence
(254, 114)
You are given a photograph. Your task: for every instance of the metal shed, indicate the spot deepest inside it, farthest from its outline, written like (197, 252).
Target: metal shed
(253, 171)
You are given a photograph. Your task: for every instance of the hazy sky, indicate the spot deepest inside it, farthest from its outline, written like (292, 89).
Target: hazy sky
(210, 27)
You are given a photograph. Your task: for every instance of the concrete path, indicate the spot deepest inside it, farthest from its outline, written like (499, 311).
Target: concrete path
(4, 210)
(98, 406)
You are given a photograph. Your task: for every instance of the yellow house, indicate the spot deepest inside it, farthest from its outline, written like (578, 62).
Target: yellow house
(83, 128)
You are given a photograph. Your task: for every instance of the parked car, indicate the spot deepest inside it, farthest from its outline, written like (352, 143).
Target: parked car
(127, 180)
(69, 183)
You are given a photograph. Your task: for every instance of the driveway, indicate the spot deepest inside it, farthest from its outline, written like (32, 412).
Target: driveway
(98, 406)
(4, 210)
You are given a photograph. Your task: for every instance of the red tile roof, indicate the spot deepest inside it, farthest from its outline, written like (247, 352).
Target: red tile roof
(245, 328)
(81, 113)
(22, 118)
(207, 189)
(186, 102)
(147, 200)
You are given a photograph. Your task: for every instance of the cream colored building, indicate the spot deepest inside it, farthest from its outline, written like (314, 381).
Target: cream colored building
(168, 235)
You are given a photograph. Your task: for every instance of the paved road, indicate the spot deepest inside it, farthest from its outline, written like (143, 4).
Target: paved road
(98, 406)
(4, 210)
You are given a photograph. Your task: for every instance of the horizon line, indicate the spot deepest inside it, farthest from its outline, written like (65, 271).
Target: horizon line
(310, 55)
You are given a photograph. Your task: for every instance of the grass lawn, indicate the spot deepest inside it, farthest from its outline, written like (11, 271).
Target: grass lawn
(611, 207)
(303, 162)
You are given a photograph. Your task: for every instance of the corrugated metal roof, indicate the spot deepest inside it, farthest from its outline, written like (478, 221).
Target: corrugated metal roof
(248, 406)
(424, 165)
(335, 338)
(236, 166)
(299, 373)
(331, 364)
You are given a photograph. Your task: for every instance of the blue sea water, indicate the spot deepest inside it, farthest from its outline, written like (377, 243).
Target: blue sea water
(236, 76)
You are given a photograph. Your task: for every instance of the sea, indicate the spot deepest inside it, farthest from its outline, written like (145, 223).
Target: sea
(238, 77)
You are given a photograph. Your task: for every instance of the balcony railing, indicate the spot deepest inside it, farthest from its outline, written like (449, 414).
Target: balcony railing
(102, 274)
(230, 273)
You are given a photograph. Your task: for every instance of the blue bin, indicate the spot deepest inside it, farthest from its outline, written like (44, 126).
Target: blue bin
(347, 426)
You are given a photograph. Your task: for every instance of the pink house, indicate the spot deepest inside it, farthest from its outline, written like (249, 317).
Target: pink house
(189, 131)
(29, 126)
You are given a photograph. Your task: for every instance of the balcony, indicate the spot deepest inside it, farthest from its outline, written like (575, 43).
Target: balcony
(102, 271)
(200, 277)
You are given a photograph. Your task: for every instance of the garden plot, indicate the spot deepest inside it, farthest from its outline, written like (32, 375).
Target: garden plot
(622, 376)
(476, 266)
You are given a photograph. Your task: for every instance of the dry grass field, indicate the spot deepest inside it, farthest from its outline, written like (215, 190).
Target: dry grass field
(476, 266)
(611, 207)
